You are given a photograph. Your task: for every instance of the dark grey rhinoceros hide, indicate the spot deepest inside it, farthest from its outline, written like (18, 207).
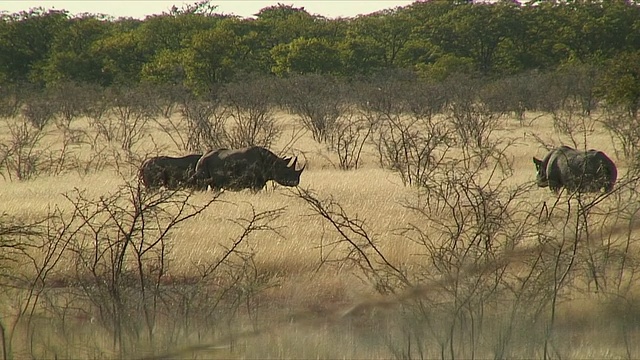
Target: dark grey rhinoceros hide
(575, 170)
(246, 168)
(170, 172)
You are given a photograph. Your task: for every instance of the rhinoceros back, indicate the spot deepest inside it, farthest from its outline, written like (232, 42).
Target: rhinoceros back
(585, 171)
(167, 171)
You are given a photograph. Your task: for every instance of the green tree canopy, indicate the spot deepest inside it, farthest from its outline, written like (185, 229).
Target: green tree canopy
(304, 56)
(25, 42)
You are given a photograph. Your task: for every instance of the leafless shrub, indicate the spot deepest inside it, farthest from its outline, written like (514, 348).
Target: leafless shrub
(424, 100)
(417, 141)
(120, 244)
(572, 107)
(236, 263)
(206, 119)
(474, 125)
(97, 111)
(578, 83)
(107, 261)
(569, 88)
(73, 100)
(250, 104)
(168, 99)
(410, 139)
(471, 226)
(351, 134)
(470, 221)
(473, 121)
(383, 96)
(479, 212)
(39, 110)
(413, 147)
(10, 101)
(22, 155)
(576, 126)
(38, 263)
(97, 108)
(318, 101)
(516, 94)
(110, 257)
(354, 245)
(132, 109)
(568, 251)
(625, 129)
(569, 96)
(120, 118)
(60, 160)
(17, 237)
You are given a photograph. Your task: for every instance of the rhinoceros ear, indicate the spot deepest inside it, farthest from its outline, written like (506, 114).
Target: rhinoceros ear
(287, 159)
(538, 163)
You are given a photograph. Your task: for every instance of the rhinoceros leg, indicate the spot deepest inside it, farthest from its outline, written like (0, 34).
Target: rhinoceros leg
(169, 179)
(555, 187)
(257, 186)
(157, 178)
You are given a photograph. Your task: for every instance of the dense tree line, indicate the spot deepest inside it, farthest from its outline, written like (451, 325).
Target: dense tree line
(592, 47)
(199, 47)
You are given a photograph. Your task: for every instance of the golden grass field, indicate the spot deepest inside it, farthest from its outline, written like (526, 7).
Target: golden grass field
(299, 313)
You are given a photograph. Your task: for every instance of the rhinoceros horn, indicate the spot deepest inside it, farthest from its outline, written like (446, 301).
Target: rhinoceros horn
(295, 161)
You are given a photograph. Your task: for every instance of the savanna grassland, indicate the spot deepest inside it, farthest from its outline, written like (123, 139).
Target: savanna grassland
(472, 260)
(417, 231)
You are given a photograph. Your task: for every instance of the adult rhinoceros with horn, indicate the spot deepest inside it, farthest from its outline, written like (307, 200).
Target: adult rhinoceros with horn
(575, 170)
(170, 172)
(246, 168)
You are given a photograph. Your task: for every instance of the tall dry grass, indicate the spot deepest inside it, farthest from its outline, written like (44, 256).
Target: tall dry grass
(310, 303)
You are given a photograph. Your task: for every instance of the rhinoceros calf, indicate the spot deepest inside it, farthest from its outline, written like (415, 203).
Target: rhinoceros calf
(575, 170)
(170, 172)
(246, 168)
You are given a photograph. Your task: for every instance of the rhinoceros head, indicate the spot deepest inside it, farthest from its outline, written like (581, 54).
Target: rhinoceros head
(541, 172)
(285, 173)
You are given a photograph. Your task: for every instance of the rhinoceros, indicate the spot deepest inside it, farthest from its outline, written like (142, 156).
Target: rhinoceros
(575, 170)
(246, 168)
(170, 172)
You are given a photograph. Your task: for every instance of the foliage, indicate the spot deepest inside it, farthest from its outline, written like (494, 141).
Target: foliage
(621, 83)
(305, 56)
(198, 47)
(26, 40)
(210, 58)
(474, 265)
